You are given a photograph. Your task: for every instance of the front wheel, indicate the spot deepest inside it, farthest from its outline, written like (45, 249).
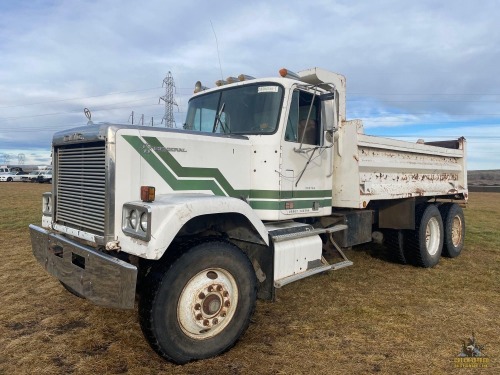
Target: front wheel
(201, 305)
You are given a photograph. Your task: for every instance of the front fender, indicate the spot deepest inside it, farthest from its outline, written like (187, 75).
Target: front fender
(170, 212)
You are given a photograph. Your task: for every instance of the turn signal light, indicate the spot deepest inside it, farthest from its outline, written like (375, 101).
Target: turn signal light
(147, 193)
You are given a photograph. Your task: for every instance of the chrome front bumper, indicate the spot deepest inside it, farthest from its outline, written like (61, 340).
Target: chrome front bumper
(101, 278)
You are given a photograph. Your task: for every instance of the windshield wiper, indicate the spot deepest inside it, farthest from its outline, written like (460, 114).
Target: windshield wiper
(218, 120)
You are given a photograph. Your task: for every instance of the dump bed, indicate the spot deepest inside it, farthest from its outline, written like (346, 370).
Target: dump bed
(367, 168)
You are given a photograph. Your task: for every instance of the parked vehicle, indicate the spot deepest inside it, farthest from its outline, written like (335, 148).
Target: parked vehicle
(266, 175)
(32, 176)
(45, 176)
(11, 176)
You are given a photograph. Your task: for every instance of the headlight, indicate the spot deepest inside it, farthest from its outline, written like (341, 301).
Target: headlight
(144, 221)
(136, 221)
(133, 218)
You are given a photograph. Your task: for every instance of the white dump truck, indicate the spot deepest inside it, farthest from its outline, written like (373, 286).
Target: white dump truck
(266, 177)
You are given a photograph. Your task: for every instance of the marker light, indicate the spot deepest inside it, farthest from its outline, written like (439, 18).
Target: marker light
(231, 79)
(220, 82)
(199, 87)
(244, 77)
(148, 193)
(285, 73)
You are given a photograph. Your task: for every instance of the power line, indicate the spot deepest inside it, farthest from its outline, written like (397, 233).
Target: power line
(85, 97)
(78, 110)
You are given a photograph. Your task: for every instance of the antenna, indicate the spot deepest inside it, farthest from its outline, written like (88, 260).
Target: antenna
(218, 55)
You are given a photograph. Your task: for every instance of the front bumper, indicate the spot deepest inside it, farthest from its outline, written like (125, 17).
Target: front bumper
(101, 278)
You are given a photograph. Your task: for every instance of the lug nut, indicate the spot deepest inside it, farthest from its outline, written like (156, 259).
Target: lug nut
(223, 315)
(197, 306)
(210, 288)
(199, 317)
(206, 322)
(227, 303)
(219, 288)
(201, 295)
(215, 321)
(226, 294)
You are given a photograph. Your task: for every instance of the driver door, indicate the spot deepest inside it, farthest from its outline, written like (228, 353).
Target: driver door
(305, 188)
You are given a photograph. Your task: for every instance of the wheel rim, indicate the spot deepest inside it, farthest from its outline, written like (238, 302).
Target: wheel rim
(432, 236)
(456, 231)
(207, 303)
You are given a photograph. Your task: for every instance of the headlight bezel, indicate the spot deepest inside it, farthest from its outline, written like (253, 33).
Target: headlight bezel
(133, 218)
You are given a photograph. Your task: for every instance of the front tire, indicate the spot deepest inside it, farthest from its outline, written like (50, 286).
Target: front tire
(425, 243)
(201, 305)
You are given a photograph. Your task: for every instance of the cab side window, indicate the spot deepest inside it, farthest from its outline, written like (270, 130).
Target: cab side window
(298, 125)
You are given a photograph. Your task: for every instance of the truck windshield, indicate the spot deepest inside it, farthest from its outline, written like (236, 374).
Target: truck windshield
(249, 109)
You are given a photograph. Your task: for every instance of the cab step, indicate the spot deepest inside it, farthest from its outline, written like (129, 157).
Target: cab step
(307, 233)
(323, 268)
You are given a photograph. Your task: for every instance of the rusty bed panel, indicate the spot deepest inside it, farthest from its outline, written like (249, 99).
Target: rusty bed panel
(389, 169)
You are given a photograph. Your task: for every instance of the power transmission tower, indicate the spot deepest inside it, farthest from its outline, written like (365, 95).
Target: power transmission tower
(20, 159)
(169, 100)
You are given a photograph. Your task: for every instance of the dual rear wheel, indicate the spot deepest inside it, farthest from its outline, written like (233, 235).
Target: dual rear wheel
(439, 230)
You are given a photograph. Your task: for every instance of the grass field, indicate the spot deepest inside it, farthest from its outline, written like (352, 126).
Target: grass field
(373, 317)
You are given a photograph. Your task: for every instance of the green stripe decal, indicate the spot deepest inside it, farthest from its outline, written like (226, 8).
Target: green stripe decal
(195, 172)
(169, 178)
(280, 205)
(211, 179)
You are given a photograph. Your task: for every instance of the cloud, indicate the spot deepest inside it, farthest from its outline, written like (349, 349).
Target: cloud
(409, 65)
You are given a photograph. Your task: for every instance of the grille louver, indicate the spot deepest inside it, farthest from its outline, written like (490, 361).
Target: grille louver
(81, 187)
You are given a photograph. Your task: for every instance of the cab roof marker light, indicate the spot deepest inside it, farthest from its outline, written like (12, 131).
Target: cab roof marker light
(220, 82)
(244, 77)
(285, 73)
(231, 79)
(199, 87)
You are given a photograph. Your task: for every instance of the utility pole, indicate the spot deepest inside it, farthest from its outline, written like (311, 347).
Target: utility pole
(169, 100)
(131, 116)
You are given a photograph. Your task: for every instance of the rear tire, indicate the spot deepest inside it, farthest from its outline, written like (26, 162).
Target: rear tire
(425, 243)
(201, 305)
(394, 241)
(454, 229)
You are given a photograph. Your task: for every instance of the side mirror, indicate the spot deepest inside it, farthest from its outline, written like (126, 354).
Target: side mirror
(329, 111)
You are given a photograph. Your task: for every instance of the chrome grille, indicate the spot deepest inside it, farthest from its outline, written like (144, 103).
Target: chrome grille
(81, 187)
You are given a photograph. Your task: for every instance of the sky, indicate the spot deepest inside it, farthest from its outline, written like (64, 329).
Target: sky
(415, 69)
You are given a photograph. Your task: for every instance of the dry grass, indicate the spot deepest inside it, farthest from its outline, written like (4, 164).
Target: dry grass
(374, 317)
